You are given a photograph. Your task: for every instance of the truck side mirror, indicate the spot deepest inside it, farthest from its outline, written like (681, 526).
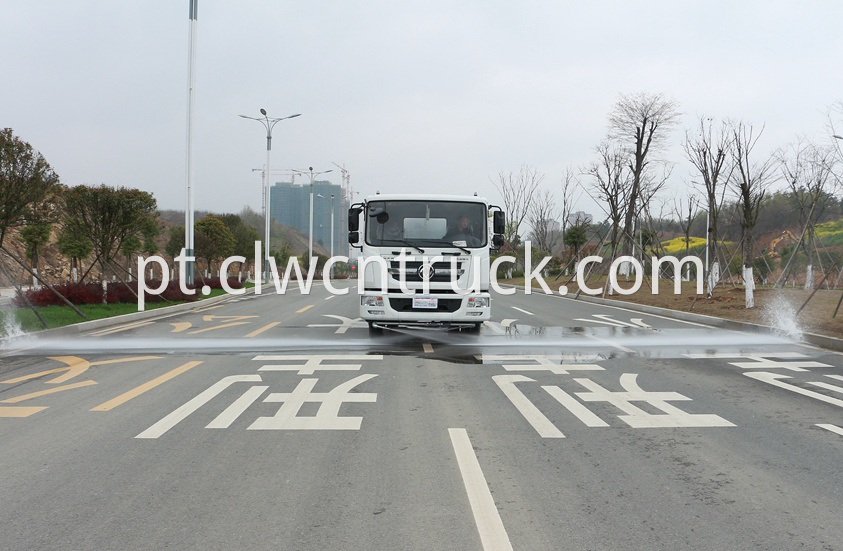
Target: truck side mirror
(498, 222)
(497, 241)
(353, 237)
(354, 220)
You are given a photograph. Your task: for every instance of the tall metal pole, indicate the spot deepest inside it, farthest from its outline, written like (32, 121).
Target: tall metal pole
(266, 213)
(191, 89)
(269, 123)
(310, 231)
(332, 235)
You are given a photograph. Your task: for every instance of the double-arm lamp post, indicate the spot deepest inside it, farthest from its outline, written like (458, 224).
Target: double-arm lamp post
(312, 175)
(269, 123)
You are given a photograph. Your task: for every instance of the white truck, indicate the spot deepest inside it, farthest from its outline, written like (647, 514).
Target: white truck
(424, 259)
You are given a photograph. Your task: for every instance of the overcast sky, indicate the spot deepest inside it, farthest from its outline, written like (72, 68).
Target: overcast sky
(411, 96)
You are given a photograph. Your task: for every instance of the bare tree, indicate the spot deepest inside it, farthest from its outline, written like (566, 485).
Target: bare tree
(750, 180)
(542, 218)
(710, 151)
(570, 186)
(809, 171)
(686, 210)
(610, 182)
(518, 193)
(640, 123)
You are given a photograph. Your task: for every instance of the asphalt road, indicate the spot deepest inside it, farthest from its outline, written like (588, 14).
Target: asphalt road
(275, 422)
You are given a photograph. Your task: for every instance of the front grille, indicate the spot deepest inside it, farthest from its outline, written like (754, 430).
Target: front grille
(411, 271)
(401, 304)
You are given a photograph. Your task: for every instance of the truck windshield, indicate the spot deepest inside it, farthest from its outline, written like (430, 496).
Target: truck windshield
(432, 223)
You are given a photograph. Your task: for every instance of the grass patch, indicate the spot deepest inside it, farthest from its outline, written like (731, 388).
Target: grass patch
(24, 319)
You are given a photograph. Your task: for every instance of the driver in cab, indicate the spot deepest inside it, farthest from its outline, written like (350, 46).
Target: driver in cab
(461, 231)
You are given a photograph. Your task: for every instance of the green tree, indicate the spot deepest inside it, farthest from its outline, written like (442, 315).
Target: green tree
(176, 242)
(213, 239)
(34, 236)
(108, 217)
(244, 237)
(27, 183)
(28, 188)
(575, 237)
(76, 246)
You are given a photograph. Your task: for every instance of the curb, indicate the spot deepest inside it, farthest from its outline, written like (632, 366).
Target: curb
(823, 341)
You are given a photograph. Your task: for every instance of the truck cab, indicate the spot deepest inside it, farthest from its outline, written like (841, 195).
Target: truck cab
(424, 259)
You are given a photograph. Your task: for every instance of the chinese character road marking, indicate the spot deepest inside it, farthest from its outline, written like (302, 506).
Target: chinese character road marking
(579, 410)
(638, 418)
(232, 412)
(195, 403)
(544, 362)
(531, 413)
(764, 361)
(314, 362)
(326, 418)
(773, 379)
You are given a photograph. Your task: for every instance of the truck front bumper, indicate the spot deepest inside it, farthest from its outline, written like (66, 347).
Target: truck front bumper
(431, 310)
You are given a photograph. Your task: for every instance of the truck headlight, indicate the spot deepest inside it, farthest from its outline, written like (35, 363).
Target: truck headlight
(371, 300)
(478, 302)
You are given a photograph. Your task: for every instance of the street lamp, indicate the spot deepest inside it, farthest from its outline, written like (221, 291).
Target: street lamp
(310, 232)
(268, 122)
(332, 235)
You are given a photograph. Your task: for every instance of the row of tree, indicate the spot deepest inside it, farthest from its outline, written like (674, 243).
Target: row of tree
(732, 184)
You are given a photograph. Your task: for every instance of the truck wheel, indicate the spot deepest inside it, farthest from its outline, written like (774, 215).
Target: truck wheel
(375, 331)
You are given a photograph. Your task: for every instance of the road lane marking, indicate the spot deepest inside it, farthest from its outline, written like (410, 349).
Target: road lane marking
(494, 327)
(833, 428)
(428, 348)
(223, 326)
(308, 307)
(522, 310)
(610, 343)
(18, 411)
(74, 366)
(137, 391)
(48, 391)
(124, 328)
(493, 535)
(329, 297)
(208, 308)
(175, 417)
(180, 326)
(531, 413)
(344, 325)
(262, 329)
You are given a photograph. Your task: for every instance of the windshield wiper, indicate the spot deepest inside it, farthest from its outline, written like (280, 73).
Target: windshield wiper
(451, 243)
(406, 242)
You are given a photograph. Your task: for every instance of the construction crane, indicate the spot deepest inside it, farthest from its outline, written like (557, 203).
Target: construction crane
(348, 194)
